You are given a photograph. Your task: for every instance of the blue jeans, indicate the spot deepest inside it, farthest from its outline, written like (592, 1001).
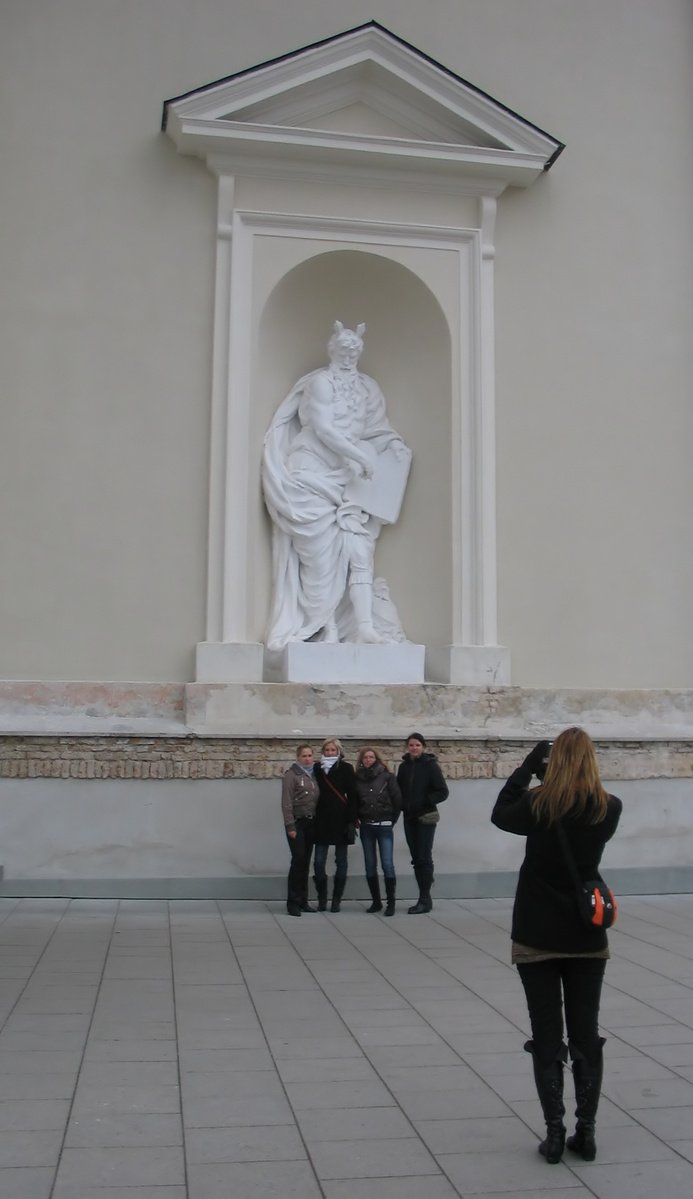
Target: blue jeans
(372, 835)
(340, 862)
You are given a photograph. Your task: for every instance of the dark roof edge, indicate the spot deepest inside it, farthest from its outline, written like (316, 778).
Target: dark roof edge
(560, 146)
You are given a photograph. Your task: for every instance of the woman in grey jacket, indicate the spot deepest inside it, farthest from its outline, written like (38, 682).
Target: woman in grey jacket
(299, 800)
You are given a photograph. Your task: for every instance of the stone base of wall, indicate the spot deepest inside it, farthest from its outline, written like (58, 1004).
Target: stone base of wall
(272, 889)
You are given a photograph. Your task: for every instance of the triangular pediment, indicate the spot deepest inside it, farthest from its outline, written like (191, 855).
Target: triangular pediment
(364, 92)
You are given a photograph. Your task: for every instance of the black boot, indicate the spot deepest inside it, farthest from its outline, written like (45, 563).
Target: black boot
(587, 1076)
(321, 888)
(424, 903)
(374, 888)
(293, 909)
(305, 906)
(549, 1084)
(390, 891)
(337, 892)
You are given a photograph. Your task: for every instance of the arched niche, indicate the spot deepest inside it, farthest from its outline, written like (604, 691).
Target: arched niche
(408, 351)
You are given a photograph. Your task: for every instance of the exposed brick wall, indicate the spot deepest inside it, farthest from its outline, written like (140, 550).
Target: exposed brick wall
(195, 758)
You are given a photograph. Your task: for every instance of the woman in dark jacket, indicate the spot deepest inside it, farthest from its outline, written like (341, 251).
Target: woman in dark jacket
(380, 804)
(423, 788)
(335, 820)
(553, 948)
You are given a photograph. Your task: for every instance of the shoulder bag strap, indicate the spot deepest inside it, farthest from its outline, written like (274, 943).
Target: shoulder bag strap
(333, 788)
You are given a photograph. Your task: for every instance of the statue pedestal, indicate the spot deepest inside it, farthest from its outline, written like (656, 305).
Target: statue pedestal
(316, 662)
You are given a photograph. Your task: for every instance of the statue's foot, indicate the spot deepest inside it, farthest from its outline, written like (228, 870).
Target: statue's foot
(367, 635)
(330, 636)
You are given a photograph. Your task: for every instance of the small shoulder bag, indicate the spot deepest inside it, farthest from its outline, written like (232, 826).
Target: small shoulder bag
(596, 902)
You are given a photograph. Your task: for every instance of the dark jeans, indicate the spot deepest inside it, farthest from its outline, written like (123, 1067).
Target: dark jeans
(340, 862)
(373, 835)
(420, 841)
(301, 847)
(571, 983)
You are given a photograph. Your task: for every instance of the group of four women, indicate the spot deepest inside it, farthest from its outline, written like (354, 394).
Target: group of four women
(324, 802)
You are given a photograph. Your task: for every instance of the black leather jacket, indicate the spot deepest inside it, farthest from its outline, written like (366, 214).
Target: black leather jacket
(379, 794)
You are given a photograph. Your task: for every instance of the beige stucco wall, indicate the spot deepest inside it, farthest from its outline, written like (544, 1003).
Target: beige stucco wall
(106, 293)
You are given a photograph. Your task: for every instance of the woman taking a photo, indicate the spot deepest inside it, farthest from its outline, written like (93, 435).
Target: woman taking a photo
(560, 958)
(299, 801)
(380, 803)
(335, 820)
(423, 788)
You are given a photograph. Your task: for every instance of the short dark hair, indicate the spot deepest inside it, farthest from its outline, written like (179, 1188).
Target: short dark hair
(416, 737)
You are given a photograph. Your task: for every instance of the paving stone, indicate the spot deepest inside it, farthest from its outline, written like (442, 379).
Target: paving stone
(281, 1142)
(123, 1130)
(131, 1167)
(35, 1148)
(256, 1180)
(27, 1183)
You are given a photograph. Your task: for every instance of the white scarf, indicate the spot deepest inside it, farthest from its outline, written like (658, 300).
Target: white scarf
(328, 763)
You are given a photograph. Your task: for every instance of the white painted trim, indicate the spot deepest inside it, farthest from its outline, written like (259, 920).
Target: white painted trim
(219, 410)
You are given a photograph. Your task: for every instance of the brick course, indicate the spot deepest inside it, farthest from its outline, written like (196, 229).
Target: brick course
(200, 759)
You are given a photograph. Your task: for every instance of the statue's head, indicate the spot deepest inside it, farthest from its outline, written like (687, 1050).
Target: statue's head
(346, 345)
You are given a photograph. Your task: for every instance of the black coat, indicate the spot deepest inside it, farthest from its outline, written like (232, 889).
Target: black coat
(336, 817)
(379, 794)
(422, 785)
(545, 914)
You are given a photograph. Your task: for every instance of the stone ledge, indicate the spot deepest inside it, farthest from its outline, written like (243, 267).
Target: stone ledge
(385, 712)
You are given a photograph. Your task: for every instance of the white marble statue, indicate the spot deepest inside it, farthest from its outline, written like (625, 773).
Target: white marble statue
(334, 471)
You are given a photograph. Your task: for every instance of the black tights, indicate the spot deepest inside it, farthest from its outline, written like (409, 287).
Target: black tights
(580, 981)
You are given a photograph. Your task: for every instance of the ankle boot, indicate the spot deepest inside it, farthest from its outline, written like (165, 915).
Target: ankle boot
(587, 1076)
(321, 888)
(390, 891)
(337, 892)
(549, 1084)
(374, 888)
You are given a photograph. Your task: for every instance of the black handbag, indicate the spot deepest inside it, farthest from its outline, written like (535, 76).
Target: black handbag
(596, 902)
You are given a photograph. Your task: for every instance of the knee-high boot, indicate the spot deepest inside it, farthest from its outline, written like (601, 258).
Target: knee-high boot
(549, 1084)
(424, 903)
(587, 1076)
(374, 888)
(337, 892)
(321, 888)
(390, 891)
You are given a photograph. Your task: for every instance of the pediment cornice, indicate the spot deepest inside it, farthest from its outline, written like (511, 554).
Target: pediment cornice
(362, 99)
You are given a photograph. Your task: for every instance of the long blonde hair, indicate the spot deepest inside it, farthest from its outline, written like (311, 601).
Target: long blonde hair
(572, 783)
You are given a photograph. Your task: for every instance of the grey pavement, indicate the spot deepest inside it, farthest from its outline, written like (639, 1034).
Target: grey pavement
(200, 1050)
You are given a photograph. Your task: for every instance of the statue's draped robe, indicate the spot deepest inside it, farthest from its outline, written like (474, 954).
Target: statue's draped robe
(315, 534)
